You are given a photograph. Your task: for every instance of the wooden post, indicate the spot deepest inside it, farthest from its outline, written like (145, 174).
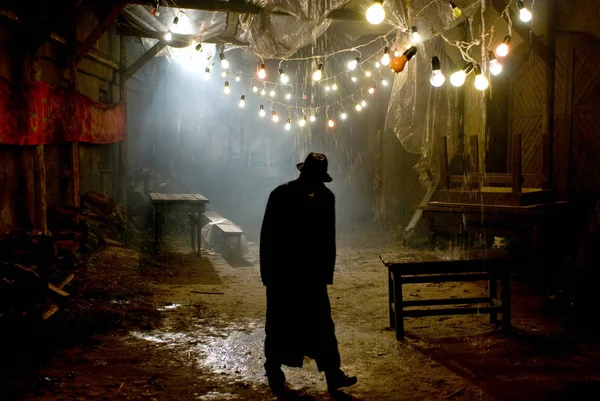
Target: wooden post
(123, 143)
(75, 151)
(39, 165)
(444, 178)
(40, 187)
(548, 110)
(516, 165)
(474, 150)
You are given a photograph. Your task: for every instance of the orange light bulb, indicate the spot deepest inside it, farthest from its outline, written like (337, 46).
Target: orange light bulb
(399, 63)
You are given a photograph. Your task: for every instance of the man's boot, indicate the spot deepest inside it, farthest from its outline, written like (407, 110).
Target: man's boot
(275, 376)
(337, 379)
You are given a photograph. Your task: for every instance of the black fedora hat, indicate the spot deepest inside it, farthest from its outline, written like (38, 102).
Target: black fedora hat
(315, 165)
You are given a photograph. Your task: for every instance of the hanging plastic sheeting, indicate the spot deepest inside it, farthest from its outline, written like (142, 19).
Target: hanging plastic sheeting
(418, 113)
(201, 25)
(274, 35)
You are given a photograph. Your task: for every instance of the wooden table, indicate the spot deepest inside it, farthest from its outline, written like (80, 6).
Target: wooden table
(430, 267)
(161, 202)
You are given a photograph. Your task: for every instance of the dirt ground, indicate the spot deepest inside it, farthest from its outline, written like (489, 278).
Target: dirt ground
(192, 329)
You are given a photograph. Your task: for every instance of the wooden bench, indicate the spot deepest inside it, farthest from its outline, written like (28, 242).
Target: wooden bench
(227, 231)
(428, 267)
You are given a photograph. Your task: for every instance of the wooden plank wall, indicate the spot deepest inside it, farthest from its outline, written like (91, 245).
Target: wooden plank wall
(526, 104)
(576, 162)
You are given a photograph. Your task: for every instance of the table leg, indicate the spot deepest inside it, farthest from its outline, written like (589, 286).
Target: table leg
(431, 233)
(192, 233)
(506, 309)
(493, 288)
(199, 254)
(157, 230)
(399, 311)
(391, 303)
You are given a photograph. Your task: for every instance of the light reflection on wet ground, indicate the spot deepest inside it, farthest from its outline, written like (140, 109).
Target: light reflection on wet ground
(231, 350)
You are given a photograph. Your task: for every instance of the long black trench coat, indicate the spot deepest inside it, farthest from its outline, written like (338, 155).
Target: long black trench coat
(297, 259)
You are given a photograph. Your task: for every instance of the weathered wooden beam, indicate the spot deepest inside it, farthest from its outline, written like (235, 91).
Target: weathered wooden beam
(528, 36)
(123, 143)
(93, 37)
(140, 62)
(178, 39)
(245, 8)
(206, 5)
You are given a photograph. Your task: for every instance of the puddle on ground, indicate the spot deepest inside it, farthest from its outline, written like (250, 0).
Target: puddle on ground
(169, 307)
(231, 350)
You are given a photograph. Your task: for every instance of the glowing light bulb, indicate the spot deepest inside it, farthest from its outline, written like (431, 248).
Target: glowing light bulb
(261, 111)
(238, 78)
(274, 116)
(371, 90)
(414, 35)
(227, 90)
(168, 36)
(481, 82)
(354, 79)
(224, 62)
(502, 50)
(317, 75)
(327, 88)
(243, 101)
(375, 13)
(207, 73)
(224, 74)
(272, 93)
(437, 78)
(313, 118)
(524, 14)
(343, 116)
(456, 12)
(459, 77)
(384, 82)
(288, 124)
(495, 66)
(352, 64)
(288, 96)
(330, 123)
(254, 88)
(263, 92)
(283, 77)
(262, 72)
(368, 73)
(358, 107)
(399, 63)
(363, 103)
(377, 64)
(385, 59)
(302, 122)
(397, 53)
(334, 87)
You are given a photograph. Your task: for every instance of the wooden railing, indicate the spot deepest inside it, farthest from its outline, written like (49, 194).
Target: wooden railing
(473, 179)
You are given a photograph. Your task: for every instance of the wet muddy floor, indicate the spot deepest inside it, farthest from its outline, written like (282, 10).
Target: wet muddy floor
(208, 342)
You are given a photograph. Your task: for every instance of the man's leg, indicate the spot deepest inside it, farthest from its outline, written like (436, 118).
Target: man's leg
(328, 357)
(273, 362)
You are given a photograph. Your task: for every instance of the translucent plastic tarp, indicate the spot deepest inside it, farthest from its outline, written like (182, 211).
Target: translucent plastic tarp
(202, 25)
(418, 113)
(284, 26)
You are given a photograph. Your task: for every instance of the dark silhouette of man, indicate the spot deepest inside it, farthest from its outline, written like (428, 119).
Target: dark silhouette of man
(297, 258)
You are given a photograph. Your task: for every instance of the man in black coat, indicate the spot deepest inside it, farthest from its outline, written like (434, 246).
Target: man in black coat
(297, 258)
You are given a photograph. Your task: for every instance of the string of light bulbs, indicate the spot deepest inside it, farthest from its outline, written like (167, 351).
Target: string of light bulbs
(374, 13)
